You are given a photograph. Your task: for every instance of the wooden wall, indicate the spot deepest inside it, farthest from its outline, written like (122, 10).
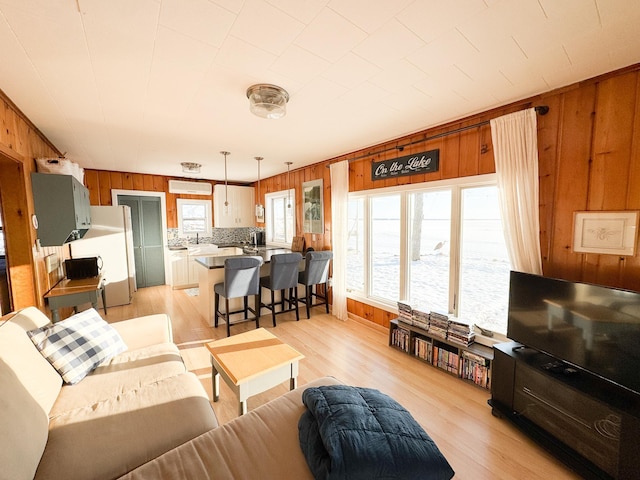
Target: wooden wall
(101, 182)
(20, 143)
(589, 159)
(319, 241)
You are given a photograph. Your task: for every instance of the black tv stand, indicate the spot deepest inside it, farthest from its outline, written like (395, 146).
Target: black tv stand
(589, 423)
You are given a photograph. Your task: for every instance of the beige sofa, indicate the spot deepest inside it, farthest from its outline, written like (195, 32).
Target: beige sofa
(128, 411)
(261, 445)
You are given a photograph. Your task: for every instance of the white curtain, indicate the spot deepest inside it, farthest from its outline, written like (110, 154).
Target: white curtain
(339, 197)
(515, 146)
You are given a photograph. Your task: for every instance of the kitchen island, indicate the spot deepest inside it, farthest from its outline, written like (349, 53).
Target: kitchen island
(211, 271)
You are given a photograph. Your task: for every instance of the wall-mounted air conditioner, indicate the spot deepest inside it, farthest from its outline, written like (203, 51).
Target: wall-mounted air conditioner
(189, 188)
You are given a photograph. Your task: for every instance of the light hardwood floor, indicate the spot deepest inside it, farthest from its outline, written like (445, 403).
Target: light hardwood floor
(454, 413)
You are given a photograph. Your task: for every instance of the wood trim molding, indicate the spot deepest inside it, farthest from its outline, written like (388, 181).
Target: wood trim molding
(11, 154)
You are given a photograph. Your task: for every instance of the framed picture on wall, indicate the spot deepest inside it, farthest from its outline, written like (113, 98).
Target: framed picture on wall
(612, 233)
(313, 206)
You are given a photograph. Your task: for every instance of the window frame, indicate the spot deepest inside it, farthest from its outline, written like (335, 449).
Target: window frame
(289, 194)
(208, 218)
(456, 186)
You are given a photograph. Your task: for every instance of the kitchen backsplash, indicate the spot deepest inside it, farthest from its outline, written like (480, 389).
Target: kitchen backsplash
(219, 236)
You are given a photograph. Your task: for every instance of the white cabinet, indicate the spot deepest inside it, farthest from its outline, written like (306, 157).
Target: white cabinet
(240, 209)
(184, 271)
(179, 265)
(193, 271)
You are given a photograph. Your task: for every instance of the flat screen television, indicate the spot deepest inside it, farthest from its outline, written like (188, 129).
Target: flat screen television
(591, 327)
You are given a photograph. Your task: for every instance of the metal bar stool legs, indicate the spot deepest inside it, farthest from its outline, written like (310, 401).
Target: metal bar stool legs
(283, 277)
(241, 279)
(316, 272)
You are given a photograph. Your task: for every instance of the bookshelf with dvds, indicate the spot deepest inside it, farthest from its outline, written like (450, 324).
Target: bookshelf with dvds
(471, 362)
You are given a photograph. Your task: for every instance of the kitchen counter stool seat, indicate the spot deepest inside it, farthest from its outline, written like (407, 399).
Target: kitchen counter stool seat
(241, 279)
(316, 272)
(283, 276)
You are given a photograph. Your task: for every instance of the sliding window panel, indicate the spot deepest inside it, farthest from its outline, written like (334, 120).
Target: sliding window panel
(356, 245)
(429, 250)
(484, 261)
(385, 239)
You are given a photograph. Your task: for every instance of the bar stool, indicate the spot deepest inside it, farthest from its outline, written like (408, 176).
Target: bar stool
(241, 279)
(316, 271)
(283, 276)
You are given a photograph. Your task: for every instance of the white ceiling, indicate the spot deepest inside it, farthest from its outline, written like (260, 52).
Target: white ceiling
(142, 85)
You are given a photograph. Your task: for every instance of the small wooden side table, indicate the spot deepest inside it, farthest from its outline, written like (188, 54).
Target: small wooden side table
(251, 363)
(71, 293)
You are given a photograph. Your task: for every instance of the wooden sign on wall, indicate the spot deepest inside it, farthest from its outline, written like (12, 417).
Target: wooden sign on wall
(424, 162)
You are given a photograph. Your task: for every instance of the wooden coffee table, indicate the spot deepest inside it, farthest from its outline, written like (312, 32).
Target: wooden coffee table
(251, 363)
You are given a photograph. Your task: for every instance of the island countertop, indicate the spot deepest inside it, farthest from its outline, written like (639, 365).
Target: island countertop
(218, 261)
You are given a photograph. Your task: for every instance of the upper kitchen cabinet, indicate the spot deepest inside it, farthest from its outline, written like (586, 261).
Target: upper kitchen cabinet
(240, 209)
(62, 208)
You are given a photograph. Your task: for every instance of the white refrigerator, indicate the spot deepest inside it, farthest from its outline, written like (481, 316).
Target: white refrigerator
(110, 238)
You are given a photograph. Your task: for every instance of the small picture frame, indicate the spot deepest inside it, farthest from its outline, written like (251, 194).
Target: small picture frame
(613, 233)
(313, 206)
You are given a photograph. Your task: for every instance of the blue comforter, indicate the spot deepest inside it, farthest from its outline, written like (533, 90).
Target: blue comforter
(358, 433)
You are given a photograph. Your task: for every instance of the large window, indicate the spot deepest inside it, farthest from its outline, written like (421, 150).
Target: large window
(429, 231)
(280, 219)
(194, 217)
(484, 263)
(356, 245)
(385, 247)
(440, 247)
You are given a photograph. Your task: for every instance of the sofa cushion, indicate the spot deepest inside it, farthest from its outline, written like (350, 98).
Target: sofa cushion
(77, 345)
(145, 331)
(29, 387)
(263, 444)
(109, 438)
(124, 372)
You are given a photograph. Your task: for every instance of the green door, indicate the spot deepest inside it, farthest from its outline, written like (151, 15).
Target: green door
(146, 226)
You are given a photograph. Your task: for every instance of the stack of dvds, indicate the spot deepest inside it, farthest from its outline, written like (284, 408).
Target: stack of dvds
(421, 319)
(405, 313)
(475, 368)
(438, 324)
(401, 338)
(461, 332)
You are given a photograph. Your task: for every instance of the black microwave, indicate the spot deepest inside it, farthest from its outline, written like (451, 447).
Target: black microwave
(79, 268)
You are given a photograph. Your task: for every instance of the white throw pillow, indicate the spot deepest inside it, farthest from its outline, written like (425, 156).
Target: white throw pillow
(78, 344)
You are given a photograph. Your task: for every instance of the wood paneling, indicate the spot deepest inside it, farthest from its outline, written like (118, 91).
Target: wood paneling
(589, 145)
(589, 151)
(101, 182)
(20, 143)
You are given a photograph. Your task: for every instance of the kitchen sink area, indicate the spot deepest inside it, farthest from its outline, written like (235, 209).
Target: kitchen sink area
(203, 249)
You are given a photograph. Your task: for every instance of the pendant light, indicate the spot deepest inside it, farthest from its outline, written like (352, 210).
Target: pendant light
(226, 198)
(259, 206)
(288, 183)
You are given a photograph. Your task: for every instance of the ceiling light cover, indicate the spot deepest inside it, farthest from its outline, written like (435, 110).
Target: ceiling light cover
(267, 101)
(190, 167)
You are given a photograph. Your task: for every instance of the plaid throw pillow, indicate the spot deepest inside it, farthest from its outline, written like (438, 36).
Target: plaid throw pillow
(77, 345)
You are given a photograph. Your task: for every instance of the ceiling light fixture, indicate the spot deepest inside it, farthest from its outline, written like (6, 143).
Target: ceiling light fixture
(259, 206)
(190, 167)
(226, 198)
(288, 184)
(267, 101)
